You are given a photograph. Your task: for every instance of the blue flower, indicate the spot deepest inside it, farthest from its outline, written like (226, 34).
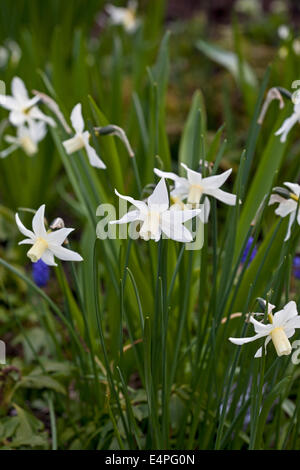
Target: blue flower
(296, 266)
(247, 249)
(40, 273)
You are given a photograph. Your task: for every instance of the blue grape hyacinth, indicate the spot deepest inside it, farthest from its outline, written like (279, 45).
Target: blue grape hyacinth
(296, 266)
(40, 273)
(247, 249)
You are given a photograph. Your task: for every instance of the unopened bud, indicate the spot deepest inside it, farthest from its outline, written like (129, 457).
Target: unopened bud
(57, 223)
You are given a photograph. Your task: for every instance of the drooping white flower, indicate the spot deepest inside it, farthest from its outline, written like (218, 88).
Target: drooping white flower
(156, 218)
(280, 328)
(22, 108)
(195, 186)
(289, 122)
(46, 244)
(288, 206)
(124, 16)
(27, 138)
(81, 139)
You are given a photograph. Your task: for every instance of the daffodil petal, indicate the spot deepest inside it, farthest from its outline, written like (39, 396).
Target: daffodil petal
(18, 89)
(159, 199)
(27, 241)
(194, 177)
(173, 229)
(93, 157)
(58, 236)
(23, 229)
(17, 118)
(259, 351)
(139, 204)
(8, 102)
(38, 223)
(36, 113)
(288, 312)
(65, 254)
(291, 222)
(286, 127)
(293, 322)
(48, 258)
(131, 216)
(77, 119)
(222, 196)
(166, 174)
(214, 182)
(240, 341)
(260, 327)
(295, 188)
(286, 207)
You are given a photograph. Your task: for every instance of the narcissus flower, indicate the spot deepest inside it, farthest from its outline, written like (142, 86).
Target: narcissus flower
(288, 205)
(195, 186)
(22, 108)
(27, 138)
(81, 139)
(156, 218)
(289, 123)
(280, 328)
(46, 244)
(124, 16)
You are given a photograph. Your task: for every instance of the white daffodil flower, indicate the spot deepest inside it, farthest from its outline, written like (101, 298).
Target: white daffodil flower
(124, 16)
(27, 138)
(289, 123)
(195, 186)
(280, 328)
(22, 108)
(288, 206)
(156, 218)
(81, 139)
(46, 245)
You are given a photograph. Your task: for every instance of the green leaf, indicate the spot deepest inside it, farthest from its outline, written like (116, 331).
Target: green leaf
(263, 180)
(229, 60)
(267, 404)
(41, 381)
(29, 432)
(193, 134)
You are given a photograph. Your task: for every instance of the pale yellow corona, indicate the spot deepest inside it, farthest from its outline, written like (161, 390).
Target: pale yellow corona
(28, 145)
(281, 343)
(150, 227)
(37, 250)
(195, 193)
(129, 19)
(74, 144)
(176, 201)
